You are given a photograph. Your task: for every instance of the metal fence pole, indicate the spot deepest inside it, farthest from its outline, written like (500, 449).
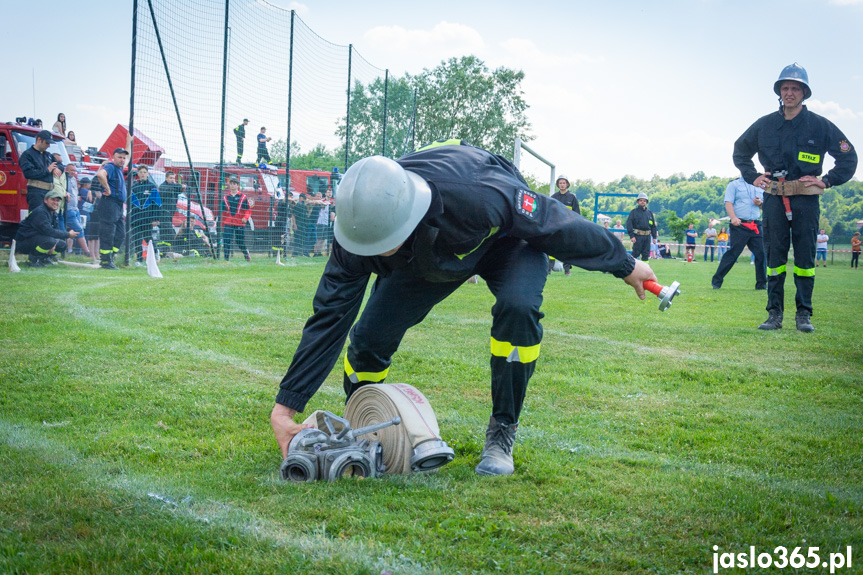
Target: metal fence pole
(414, 123)
(194, 174)
(127, 224)
(218, 215)
(386, 86)
(348, 115)
(290, 96)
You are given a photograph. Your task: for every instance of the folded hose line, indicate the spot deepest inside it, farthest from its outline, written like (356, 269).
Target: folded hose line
(415, 445)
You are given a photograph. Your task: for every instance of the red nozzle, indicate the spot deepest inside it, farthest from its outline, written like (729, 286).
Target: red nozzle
(652, 287)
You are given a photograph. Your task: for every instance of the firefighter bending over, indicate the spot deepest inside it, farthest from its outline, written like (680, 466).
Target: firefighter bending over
(425, 224)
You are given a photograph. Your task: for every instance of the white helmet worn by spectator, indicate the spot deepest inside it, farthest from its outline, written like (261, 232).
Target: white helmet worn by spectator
(378, 206)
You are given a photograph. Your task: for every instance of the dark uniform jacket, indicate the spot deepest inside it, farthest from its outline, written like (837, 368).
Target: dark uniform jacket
(796, 145)
(641, 220)
(240, 132)
(41, 222)
(477, 199)
(34, 164)
(568, 199)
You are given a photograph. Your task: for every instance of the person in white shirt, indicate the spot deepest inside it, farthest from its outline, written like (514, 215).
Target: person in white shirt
(821, 248)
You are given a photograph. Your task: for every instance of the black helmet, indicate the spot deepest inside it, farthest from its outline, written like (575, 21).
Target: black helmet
(798, 74)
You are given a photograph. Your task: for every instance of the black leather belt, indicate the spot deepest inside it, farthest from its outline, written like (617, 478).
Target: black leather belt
(750, 221)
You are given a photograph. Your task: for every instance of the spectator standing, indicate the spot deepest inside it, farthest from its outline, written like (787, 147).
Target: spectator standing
(721, 243)
(743, 204)
(169, 192)
(236, 211)
(110, 212)
(641, 226)
(821, 248)
(60, 125)
(40, 236)
(321, 225)
(791, 146)
(89, 198)
(709, 240)
(146, 211)
(568, 199)
(73, 213)
(691, 236)
(619, 233)
(240, 133)
(315, 204)
(40, 168)
(855, 250)
(263, 154)
(300, 215)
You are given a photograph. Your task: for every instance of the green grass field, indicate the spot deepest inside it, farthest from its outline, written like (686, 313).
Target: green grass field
(134, 417)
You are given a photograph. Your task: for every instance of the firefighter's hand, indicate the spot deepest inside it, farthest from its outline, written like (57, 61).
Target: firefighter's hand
(735, 221)
(639, 275)
(57, 173)
(762, 181)
(73, 234)
(813, 181)
(106, 192)
(52, 166)
(284, 426)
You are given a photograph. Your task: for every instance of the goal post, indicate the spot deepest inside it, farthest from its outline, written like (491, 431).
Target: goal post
(516, 159)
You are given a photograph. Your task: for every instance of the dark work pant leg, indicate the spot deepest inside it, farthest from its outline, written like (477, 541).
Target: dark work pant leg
(397, 303)
(777, 242)
(240, 236)
(35, 198)
(513, 272)
(641, 248)
(229, 238)
(806, 212)
(738, 238)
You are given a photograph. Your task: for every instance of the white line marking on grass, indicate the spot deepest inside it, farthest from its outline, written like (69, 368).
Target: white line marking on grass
(218, 514)
(101, 319)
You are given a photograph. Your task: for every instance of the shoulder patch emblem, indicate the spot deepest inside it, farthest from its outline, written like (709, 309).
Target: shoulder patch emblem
(526, 203)
(844, 146)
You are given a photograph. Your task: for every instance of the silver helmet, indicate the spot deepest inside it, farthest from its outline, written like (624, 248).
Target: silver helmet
(798, 74)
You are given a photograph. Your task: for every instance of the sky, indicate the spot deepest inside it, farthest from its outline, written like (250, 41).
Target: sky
(614, 88)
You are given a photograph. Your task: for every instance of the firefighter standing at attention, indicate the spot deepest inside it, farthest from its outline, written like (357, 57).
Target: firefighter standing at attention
(641, 226)
(791, 144)
(425, 224)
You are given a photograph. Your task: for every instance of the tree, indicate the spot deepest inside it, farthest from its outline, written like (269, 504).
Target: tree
(461, 99)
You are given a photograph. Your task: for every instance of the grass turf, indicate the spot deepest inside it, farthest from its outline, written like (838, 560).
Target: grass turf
(136, 438)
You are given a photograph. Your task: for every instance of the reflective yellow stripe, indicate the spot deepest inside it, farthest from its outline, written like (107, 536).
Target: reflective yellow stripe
(514, 353)
(371, 376)
(439, 143)
(811, 158)
(776, 271)
(805, 273)
(8, 191)
(490, 234)
(42, 251)
(115, 250)
(105, 252)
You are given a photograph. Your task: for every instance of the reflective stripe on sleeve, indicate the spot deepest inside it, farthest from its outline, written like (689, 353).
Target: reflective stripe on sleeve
(513, 352)
(356, 377)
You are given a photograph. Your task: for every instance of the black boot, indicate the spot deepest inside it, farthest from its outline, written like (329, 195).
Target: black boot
(774, 321)
(803, 323)
(107, 263)
(35, 262)
(497, 453)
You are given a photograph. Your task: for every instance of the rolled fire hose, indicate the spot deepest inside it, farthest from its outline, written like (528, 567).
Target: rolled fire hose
(415, 445)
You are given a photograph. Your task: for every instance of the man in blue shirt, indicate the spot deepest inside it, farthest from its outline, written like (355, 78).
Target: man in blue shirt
(263, 154)
(743, 204)
(110, 208)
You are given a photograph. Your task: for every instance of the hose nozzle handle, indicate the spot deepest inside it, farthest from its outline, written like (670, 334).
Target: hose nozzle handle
(664, 293)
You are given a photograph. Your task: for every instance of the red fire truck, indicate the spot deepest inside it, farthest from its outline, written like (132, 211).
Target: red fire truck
(14, 139)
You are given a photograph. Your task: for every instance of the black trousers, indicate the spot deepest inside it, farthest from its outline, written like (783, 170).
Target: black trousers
(112, 231)
(238, 234)
(263, 154)
(779, 236)
(515, 274)
(239, 150)
(35, 197)
(641, 248)
(742, 237)
(40, 246)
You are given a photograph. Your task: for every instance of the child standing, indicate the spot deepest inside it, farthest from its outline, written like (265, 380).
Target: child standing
(236, 211)
(855, 249)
